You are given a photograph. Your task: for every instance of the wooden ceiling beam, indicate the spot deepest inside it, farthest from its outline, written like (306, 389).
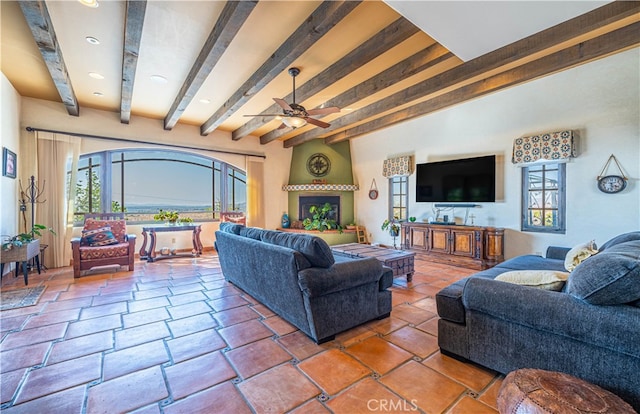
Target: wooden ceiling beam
(613, 42)
(386, 39)
(324, 17)
(134, 20)
(509, 54)
(421, 61)
(233, 16)
(39, 21)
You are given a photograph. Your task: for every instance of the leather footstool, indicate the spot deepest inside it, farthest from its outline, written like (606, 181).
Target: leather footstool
(529, 391)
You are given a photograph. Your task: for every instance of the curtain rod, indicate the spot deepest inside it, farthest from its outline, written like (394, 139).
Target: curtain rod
(135, 141)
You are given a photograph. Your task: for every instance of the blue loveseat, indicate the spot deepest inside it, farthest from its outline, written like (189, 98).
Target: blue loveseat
(589, 329)
(298, 277)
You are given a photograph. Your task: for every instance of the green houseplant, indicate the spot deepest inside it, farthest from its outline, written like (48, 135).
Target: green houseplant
(24, 238)
(171, 217)
(321, 220)
(393, 227)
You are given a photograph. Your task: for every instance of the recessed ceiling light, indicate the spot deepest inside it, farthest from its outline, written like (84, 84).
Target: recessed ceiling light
(205, 101)
(92, 40)
(158, 79)
(89, 3)
(98, 94)
(95, 75)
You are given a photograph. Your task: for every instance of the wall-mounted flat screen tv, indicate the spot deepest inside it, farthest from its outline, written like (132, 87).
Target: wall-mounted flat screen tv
(462, 180)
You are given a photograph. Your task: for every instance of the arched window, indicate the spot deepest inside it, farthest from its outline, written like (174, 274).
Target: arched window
(141, 182)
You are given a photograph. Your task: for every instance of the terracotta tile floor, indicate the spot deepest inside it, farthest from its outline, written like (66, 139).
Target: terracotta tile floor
(174, 337)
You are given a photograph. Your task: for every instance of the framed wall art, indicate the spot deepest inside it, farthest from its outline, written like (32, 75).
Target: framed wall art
(9, 163)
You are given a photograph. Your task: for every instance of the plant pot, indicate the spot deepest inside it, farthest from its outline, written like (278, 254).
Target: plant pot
(22, 253)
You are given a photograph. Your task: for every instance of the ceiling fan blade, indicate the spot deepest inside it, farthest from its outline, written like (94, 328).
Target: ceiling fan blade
(317, 122)
(264, 115)
(324, 111)
(283, 104)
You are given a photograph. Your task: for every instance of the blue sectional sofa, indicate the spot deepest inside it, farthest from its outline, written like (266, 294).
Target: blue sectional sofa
(299, 278)
(589, 329)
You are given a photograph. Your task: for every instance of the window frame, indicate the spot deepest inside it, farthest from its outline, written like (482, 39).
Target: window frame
(106, 160)
(403, 181)
(560, 227)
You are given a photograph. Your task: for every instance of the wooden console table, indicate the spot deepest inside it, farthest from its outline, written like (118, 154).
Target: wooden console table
(475, 247)
(21, 255)
(150, 255)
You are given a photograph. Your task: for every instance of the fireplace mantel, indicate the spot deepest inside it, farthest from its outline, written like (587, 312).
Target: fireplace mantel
(321, 187)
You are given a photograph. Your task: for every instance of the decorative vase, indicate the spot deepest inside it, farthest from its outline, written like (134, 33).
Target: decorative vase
(285, 221)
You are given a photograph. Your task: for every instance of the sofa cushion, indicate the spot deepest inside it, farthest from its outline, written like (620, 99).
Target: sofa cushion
(578, 254)
(229, 227)
(540, 279)
(623, 238)
(316, 250)
(104, 252)
(102, 236)
(251, 232)
(530, 261)
(611, 277)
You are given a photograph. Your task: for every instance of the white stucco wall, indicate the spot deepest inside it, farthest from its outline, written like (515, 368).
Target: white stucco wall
(599, 100)
(9, 138)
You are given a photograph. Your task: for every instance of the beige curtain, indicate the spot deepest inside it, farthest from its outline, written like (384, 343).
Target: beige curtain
(255, 192)
(57, 154)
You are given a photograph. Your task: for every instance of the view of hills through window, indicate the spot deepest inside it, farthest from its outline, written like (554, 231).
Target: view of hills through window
(142, 182)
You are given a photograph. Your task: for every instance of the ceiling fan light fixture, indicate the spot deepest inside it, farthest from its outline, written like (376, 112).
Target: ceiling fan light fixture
(90, 3)
(294, 121)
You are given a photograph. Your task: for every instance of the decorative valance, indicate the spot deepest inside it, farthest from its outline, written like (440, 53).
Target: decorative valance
(397, 167)
(553, 146)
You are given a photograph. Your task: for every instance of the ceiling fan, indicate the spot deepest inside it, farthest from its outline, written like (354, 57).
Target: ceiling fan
(296, 116)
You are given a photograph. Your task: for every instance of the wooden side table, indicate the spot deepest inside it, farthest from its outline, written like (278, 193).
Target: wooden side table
(22, 255)
(150, 254)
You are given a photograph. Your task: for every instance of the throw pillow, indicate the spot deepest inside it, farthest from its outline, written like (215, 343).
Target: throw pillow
(578, 254)
(540, 279)
(102, 236)
(611, 277)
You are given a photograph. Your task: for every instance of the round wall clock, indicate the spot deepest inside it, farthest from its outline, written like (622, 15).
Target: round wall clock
(611, 184)
(318, 165)
(373, 192)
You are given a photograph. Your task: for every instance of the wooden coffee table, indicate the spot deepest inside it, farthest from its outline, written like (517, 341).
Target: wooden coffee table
(400, 261)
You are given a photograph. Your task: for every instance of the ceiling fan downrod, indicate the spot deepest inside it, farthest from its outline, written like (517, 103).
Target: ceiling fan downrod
(294, 72)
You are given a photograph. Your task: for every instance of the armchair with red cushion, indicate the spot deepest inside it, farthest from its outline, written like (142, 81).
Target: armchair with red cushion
(104, 242)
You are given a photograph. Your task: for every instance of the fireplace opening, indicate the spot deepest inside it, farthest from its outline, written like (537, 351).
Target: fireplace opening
(305, 202)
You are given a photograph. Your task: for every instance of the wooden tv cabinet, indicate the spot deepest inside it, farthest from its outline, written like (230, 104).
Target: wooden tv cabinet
(475, 247)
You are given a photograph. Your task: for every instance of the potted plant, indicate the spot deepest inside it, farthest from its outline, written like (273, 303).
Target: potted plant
(393, 227)
(171, 217)
(321, 219)
(21, 239)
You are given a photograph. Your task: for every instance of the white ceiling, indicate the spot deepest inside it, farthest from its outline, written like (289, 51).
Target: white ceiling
(472, 28)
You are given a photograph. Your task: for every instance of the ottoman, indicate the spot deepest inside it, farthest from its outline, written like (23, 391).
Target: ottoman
(529, 391)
